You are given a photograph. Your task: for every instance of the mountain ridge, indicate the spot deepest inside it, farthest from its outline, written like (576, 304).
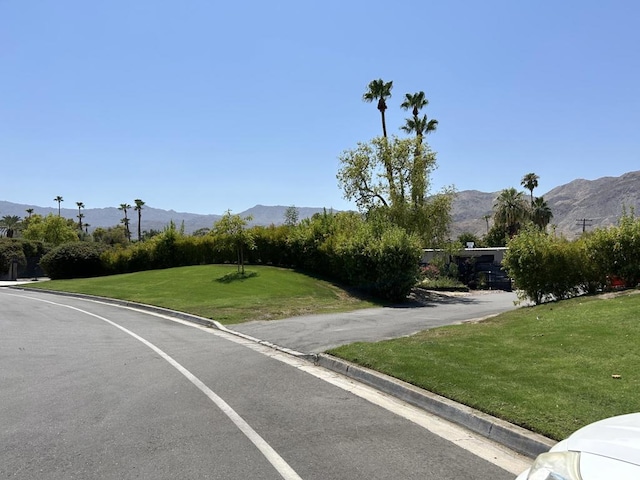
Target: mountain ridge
(576, 205)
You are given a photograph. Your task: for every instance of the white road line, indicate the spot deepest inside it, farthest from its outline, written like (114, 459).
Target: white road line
(484, 448)
(283, 468)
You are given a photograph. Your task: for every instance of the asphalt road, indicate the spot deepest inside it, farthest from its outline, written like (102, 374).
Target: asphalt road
(90, 390)
(318, 333)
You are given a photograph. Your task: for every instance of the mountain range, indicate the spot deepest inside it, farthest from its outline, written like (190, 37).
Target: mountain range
(577, 205)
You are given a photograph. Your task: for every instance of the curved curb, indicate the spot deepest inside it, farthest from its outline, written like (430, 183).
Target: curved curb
(511, 436)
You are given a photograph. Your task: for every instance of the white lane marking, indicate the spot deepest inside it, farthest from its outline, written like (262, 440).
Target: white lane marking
(484, 448)
(283, 468)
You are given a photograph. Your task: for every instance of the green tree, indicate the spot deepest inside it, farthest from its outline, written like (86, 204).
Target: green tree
(616, 250)
(11, 224)
(530, 182)
(51, 229)
(58, 199)
(510, 210)
(231, 231)
(541, 213)
(110, 236)
(138, 208)
(379, 90)
(379, 177)
(291, 216)
(545, 267)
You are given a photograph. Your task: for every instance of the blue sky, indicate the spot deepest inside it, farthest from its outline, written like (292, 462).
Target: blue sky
(203, 106)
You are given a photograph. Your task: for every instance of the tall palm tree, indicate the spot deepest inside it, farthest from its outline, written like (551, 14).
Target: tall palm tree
(58, 199)
(530, 182)
(80, 215)
(510, 210)
(541, 213)
(379, 90)
(421, 126)
(138, 208)
(124, 207)
(29, 211)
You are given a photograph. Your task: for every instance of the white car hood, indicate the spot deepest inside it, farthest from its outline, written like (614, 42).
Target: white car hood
(617, 438)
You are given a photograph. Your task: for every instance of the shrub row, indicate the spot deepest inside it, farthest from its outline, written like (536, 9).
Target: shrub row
(547, 267)
(343, 247)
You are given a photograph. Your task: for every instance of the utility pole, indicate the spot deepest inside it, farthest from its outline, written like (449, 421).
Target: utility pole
(585, 222)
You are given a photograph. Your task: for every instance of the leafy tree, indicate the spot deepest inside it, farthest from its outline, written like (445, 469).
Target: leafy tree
(616, 250)
(58, 199)
(110, 236)
(510, 210)
(51, 229)
(380, 177)
(379, 90)
(201, 232)
(231, 231)
(468, 237)
(545, 267)
(291, 216)
(541, 213)
(530, 182)
(497, 236)
(138, 208)
(11, 224)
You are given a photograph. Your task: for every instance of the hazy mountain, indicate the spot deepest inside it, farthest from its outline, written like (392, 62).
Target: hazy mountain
(600, 202)
(155, 218)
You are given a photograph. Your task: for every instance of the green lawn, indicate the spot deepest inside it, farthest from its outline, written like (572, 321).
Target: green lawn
(547, 368)
(216, 292)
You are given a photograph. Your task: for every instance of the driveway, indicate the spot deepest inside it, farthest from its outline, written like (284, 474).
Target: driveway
(318, 333)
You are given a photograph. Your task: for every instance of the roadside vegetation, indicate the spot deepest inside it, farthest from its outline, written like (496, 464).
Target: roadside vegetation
(220, 293)
(551, 368)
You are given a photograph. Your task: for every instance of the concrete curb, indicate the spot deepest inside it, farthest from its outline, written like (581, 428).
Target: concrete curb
(511, 436)
(516, 438)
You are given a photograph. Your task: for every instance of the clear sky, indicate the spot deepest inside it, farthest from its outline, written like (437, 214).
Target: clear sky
(203, 106)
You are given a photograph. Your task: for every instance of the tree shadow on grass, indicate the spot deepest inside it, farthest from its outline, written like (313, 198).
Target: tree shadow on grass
(237, 277)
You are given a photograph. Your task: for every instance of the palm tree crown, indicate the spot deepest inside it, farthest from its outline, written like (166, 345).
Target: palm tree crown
(10, 223)
(379, 90)
(541, 213)
(421, 126)
(530, 182)
(510, 210)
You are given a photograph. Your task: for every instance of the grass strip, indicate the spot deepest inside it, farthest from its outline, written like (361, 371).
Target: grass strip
(550, 368)
(218, 292)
